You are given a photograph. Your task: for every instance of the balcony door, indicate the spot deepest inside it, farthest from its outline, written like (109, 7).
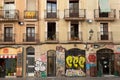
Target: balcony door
(74, 8)
(8, 34)
(30, 34)
(51, 9)
(74, 31)
(104, 31)
(51, 31)
(9, 8)
(31, 5)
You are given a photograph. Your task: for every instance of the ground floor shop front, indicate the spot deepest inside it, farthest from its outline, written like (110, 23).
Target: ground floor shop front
(78, 60)
(55, 60)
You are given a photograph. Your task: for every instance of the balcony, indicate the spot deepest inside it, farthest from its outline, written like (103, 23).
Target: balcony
(70, 14)
(51, 15)
(105, 36)
(9, 15)
(75, 37)
(7, 38)
(51, 37)
(110, 16)
(31, 15)
(30, 38)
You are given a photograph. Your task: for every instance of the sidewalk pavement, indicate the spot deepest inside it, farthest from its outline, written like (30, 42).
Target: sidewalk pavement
(64, 78)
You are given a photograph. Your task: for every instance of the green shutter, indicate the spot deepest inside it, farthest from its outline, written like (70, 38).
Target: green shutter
(104, 6)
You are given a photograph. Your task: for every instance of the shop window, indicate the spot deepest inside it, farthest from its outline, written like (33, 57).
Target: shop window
(30, 61)
(51, 63)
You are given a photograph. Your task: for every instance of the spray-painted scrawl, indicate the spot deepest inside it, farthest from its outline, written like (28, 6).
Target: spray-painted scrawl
(60, 60)
(40, 66)
(75, 62)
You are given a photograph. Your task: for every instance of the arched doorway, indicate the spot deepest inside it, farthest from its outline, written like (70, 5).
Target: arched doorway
(105, 61)
(51, 63)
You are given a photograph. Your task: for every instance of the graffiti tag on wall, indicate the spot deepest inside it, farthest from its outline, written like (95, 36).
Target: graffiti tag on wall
(40, 66)
(60, 60)
(75, 62)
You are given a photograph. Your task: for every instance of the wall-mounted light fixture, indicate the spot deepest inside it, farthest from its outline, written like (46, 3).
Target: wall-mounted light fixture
(89, 20)
(21, 23)
(91, 34)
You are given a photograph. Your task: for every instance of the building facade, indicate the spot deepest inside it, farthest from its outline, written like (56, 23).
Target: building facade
(51, 38)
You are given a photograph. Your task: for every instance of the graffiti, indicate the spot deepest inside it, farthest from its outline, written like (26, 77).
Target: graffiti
(40, 66)
(92, 58)
(60, 60)
(75, 61)
(43, 58)
(72, 72)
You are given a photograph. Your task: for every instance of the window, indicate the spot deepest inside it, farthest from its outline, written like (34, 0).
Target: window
(9, 8)
(31, 5)
(51, 28)
(103, 14)
(51, 9)
(8, 34)
(30, 60)
(74, 8)
(104, 31)
(30, 33)
(74, 33)
(51, 63)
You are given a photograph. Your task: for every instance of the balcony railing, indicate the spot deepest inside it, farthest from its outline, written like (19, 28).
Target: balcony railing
(51, 36)
(110, 16)
(105, 36)
(30, 37)
(75, 37)
(9, 37)
(51, 15)
(9, 15)
(30, 15)
(71, 14)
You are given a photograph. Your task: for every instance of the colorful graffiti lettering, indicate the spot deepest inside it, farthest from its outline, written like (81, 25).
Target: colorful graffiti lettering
(72, 72)
(60, 60)
(75, 61)
(40, 66)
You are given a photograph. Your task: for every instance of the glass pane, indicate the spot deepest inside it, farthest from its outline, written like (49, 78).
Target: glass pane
(31, 60)
(54, 7)
(48, 7)
(30, 50)
(71, 5)
(30, 69)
